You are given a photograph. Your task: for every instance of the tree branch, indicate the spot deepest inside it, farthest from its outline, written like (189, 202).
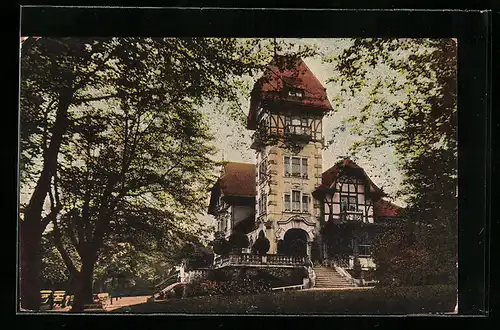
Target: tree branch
(56, 234)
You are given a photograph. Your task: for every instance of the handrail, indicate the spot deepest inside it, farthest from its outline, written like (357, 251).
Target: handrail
(167, 279)
(298, 286)
(347, 276)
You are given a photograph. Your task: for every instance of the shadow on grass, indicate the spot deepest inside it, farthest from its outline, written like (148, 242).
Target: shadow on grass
(397, 300)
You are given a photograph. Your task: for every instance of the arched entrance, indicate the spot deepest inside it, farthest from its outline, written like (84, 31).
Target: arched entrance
(294, 243)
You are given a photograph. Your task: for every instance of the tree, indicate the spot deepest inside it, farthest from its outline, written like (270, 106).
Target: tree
(407, 90)
(62, 76)
(194, 255)
(54, 274)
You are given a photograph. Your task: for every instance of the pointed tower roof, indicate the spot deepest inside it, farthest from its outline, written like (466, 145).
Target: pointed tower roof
(282, 74)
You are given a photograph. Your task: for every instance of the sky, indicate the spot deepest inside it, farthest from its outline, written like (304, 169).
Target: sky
(233, 140)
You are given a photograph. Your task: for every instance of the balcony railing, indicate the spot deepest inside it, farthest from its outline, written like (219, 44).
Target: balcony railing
(246, 259)
(352, 216)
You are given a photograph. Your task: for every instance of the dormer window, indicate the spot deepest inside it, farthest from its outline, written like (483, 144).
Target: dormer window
(296, 92)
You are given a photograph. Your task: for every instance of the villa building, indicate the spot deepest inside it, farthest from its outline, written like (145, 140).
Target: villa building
(300, 208)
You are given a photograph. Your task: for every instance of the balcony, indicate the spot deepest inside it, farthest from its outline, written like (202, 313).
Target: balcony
(298, 130)
(352, 216)
(254, 260)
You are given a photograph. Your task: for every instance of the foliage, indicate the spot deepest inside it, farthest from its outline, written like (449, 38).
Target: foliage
(193, 256)
(220, 245)
(423, 300)
(261, 245)
(54, 274)
(297, 247)
(411, 107)
(404, 258)
(238, 240)
(239, 286)
(98, 111)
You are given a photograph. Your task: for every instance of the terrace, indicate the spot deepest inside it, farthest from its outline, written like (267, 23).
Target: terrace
(253, 260)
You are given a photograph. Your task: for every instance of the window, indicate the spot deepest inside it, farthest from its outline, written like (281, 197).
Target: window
(298, 166)
(304, 128)
(263, 204)
(343, 203)
(304, 167)
(295, 165)
(348, 204)
(295, 200)
(296, 92)
(297, 125)
(353, 205)
(305, 203)
(287, 165)
(287, 202)
(364, 250)
(262, 170)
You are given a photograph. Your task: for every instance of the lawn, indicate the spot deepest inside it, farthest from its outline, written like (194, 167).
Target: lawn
(400, 300)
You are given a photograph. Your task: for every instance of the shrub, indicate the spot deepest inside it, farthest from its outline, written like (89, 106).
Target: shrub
(404, 260)
(221, 246)
(238, 240)
(297, 247)
(356, 271)
(261, 245)
(246, 283)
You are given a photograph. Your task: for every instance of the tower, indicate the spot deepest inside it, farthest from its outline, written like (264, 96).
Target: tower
(287, 106)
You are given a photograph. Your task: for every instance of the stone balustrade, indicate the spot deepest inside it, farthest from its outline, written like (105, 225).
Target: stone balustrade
(246, 259)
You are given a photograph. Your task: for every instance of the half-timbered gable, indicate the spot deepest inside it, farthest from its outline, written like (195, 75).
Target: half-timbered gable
(348, 194)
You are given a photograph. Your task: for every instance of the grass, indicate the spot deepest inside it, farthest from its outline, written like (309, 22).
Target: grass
(398, 300)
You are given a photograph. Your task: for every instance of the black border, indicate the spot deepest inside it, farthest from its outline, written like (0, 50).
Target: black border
(472, 28)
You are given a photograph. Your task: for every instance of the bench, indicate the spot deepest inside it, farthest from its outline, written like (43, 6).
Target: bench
(59, 297)
(101, 297)
(45, 296)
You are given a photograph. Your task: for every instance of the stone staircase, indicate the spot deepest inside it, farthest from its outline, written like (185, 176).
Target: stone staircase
(329, 278)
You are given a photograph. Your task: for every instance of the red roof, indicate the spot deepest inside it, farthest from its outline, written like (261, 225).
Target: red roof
(331, 175)
(238, 179)
(383, 208)
(285, 72)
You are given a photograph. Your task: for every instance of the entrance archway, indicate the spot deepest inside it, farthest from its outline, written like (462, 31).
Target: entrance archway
(294, 243)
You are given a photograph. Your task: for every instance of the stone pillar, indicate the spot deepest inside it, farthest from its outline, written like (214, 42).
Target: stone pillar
(309, 249)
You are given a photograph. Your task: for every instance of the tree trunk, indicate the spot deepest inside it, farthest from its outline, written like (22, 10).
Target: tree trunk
(84, 281)
(31, 231)
(30, 265)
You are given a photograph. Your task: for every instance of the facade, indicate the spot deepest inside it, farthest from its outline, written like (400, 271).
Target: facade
(297, 205)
